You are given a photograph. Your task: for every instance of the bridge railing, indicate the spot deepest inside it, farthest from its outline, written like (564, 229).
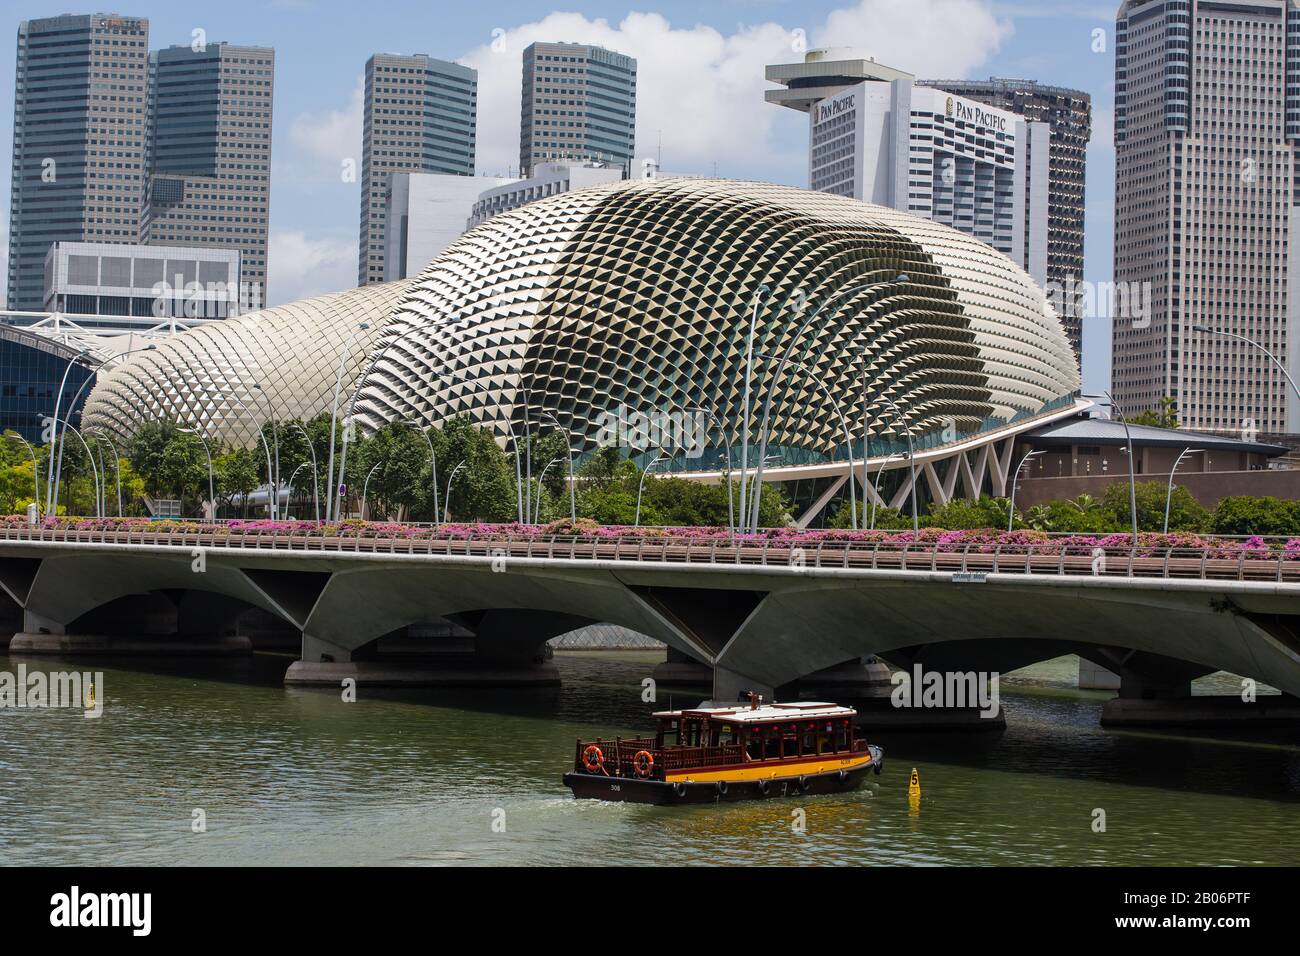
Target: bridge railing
(966, 561)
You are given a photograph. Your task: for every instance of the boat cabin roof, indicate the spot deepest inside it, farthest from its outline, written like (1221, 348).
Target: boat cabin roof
(744, 714)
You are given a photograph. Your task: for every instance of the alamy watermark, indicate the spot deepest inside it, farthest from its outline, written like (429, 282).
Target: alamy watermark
(1119, 301)
(671, 431)
(37, 690)
(926, 689)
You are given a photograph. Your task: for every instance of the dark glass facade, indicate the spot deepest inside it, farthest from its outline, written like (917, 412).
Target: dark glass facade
(29, 377)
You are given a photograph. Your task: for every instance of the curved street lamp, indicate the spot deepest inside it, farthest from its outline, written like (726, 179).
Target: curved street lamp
(519, 473)
(271, 504)
(537, 512)
(785, 357)
(1132, 474)
(568, 445)
(844, 424)
(876, 496)
(731, 508)
(56, 470)
(365, 487)
(1273, 358)
(641, 486)
(1011, 511)
(433, 464)
(747, 412)
(446, 508)
(117, 467)
(911, 458)
(315, 475)
(334, 414)
(212, 494)
(89, 457)
(1169, 492)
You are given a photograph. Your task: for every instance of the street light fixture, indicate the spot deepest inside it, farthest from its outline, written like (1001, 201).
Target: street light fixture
(446, 508)
(89, 457)
(537, 512)
(876, 496)
(1011, 510)
(844, 424)
(1169, 492)
(36, 477)
(433, 464)
(568, 444)
(365, 487)
(1132, 474)
(117, 468)
(212, 494)
(731, 507)
(1273, 358)
(785, 357)
(334, 416)
(641, 486)
(911, 459)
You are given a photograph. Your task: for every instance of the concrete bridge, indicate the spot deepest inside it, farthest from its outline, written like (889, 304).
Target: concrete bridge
(762, 614)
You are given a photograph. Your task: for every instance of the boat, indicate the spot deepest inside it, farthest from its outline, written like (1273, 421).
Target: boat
(712, 754)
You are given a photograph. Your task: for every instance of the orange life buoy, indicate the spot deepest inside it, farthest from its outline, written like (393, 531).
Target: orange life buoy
(593, 759)
(644, 762)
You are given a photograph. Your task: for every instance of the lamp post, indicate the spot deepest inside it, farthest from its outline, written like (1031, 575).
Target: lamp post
(568, 444)
(212, 494)
(352, 408)
(446, 508)
(315, 475)
(1169, 492)
(1273, 358)
(731, 508)
(433, 465)
(261, 435)
(747, 411)
(771, 388)
(365, 487)
(911, 458)
(844, 424)
(56, 469)
(1011, 511)
(334, 417)
(1132, 474)
(117, 468)
(292, 475)
(880, 473)
(519, 474)
(660, 457)
(36, 477)
(275, 438)
(537, 511)
(90, 458)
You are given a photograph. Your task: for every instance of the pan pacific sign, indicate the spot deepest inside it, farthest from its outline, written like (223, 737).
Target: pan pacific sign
(974, 113)
(829, 109)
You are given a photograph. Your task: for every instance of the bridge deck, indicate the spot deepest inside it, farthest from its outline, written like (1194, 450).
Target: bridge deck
(971, 558)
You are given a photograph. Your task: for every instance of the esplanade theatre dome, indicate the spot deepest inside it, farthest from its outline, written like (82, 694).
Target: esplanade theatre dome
(639, 295)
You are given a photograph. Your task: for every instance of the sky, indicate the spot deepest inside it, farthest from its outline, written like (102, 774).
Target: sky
(699, 83)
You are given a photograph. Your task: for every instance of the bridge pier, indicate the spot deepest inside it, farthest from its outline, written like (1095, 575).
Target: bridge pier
(11, 620)
(432, 654)
(142, 625)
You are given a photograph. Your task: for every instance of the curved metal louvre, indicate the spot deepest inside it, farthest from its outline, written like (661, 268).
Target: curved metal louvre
(638, 294)
(209, 377)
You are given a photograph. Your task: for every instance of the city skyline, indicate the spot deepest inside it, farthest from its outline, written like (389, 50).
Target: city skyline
(317, 120)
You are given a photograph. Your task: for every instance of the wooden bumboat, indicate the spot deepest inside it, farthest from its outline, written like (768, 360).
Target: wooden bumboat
(711, 754)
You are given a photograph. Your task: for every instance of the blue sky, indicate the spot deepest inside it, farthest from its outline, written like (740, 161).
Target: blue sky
(700, 86)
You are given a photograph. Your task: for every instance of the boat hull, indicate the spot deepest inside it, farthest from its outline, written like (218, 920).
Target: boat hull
(586, 786)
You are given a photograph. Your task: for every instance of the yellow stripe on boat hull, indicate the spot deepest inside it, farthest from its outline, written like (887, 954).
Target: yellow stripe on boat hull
(783, 772)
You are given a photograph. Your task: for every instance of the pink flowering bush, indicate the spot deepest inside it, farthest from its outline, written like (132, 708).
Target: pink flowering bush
(976, 540)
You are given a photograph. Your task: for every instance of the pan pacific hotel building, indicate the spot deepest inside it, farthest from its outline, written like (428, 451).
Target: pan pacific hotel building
(876, 135)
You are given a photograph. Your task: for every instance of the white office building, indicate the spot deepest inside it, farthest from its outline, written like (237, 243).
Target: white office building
(548, 179)
(137, 281)
(424, 213)
(889, 141)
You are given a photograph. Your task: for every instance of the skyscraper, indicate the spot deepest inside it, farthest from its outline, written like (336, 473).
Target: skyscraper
(876, 134)
(209, 154)
(1068, 115)
(578, 105)
(79, 134)
(1207, 114)
(420, 117)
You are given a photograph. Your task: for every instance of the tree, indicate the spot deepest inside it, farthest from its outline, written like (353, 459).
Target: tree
(237, 473)
(184, 468)
(1164, 416)
(146, 453)
(1242, 514)
(1185, 512)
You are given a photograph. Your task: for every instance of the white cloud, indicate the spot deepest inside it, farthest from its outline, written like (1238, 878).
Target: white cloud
(704, 89)
(319, 143)
(300, 266)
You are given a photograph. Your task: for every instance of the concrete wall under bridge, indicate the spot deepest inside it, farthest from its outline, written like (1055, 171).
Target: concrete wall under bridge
(756, 626)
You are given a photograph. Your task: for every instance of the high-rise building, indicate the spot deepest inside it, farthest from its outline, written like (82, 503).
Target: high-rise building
(876, 135)
(1068, 115)
(1207, 114)
(79, 136)
(209, 154)
(420, 117)
(578, 105)
(425, 213)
